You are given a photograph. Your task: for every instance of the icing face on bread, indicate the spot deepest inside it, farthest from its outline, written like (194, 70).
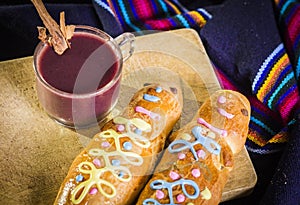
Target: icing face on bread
(116, 164)
(227, 110)
(195, 167)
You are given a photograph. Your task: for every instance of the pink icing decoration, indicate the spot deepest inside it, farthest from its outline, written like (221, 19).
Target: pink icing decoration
(160, 194)
(225, 114)
(93, 191)
(174, 175)
(221, 99)
(97, 162)
(196, 173)
(180, 198)
(209, 126)
(120, 128)
(147, 112)
(181, 156)
(142, 110)
(105, 144)
(201, 154)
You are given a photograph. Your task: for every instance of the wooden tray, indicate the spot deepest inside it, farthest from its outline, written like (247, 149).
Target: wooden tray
(35, 152)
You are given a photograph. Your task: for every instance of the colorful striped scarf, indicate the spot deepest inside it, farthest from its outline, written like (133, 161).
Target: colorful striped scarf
(273, 83)
(141, 15)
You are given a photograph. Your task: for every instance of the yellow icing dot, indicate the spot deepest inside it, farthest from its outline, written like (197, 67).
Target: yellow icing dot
(190, 203)
(141, 124)
(206, 194)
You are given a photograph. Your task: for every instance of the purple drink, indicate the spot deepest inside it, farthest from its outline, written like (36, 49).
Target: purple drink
(81, 86)
(62, 71)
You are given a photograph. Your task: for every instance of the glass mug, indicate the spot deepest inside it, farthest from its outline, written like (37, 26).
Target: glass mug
(81, 87)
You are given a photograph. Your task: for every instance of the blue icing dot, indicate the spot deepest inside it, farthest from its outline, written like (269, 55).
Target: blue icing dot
(116, 162)
(158, 89)
(79, 178)
(138, 131)
(151, 98)
(127, 145)
(121, 174)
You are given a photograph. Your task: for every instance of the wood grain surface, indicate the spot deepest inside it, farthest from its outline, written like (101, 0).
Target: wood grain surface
(36, 152)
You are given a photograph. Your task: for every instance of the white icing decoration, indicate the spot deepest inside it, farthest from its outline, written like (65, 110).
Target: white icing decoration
(158, 125)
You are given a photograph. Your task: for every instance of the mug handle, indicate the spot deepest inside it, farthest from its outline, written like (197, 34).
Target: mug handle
(126, 43)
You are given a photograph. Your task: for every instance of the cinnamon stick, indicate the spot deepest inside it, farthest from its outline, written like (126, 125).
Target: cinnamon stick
(59, 35)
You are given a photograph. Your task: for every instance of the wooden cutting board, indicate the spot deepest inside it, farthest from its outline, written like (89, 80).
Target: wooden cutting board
(35, 152)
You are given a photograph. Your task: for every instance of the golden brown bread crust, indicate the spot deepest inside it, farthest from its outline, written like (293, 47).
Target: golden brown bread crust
(118, 161)
(195, 167)
(236, 119)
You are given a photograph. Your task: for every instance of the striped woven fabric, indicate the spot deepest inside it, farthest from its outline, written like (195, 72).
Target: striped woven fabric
(276, 87)
(276, 91)
(273, 95)
(267, 131)
(139, 15)
(289, 21)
